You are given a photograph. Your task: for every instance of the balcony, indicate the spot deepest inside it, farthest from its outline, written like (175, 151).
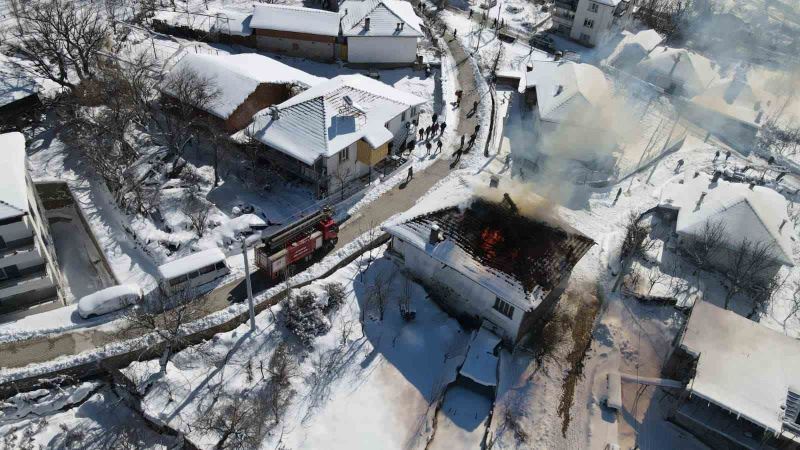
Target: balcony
(30, 279)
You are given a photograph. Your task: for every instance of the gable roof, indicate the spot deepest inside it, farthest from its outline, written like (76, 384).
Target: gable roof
(754, 214)
(384, 15)
(567, 91)
(332, 115)
(13, 183)
(743, 366)
(693, 71)
(238, 76)
(734, 98)
(295, 19)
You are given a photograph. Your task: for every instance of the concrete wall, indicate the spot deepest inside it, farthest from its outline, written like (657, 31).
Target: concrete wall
(460, 295)
(380, 49)
(602, 21)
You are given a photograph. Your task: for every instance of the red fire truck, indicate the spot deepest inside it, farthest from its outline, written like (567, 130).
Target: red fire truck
(300, 240)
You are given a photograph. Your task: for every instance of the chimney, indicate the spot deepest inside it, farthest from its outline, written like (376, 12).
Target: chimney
(751, 186)
(557, 55)
(529, 67)
(366, 23)
(700, 201)
(399, 26)
(717, 174)
(494, 181)
(782, 224)
(435, 236)
(345, 11)
(508, 203)
(274, 112)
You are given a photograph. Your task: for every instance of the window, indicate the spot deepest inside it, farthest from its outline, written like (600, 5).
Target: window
(588, 23)
(504, 308)
(344, 155)
(593, 7)
(178, 280)
(220, 265)
(585, 37)
(207, 269)
(3, 275)
(193, 275)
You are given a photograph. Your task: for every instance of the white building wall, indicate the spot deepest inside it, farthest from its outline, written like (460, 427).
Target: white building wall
(381, 49)
(468, 298)
(602, 20)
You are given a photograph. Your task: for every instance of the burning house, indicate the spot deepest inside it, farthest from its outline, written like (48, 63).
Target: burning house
(487, 263)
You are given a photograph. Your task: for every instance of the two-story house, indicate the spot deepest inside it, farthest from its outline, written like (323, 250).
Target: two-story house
(585, 21)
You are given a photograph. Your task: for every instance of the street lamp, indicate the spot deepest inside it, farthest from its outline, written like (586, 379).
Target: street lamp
(251, 240)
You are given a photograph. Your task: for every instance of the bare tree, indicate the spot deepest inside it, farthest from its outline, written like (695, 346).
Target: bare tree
(379, 292)
(238, 421)
(342, 177)
(750, 266)
(187, 95)
(197, 211)
(794, 307)
(163, 318)
(654, 277)
(705, 247)
(404, 300)
(61, 38)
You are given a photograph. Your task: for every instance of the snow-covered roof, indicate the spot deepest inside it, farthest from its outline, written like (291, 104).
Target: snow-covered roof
(13, 184)
(509, 254)
(480, 365)
(734, 98)
(743, 366)
(190, 263)
(753, 214)
(14, 83)
(694, 72)
(238, 76)
(567, 91)
(226, 21)
(608, 2)
(634, 47)
(332, 115)
(384, 15)
(295, 19)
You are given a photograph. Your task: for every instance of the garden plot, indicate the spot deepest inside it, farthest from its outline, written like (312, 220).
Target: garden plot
(339, 377)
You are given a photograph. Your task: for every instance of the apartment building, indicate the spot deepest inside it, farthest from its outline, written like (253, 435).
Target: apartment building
(29, 272)
(585, 21)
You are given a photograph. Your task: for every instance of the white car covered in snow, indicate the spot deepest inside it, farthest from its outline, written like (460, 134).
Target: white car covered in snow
(109, 299)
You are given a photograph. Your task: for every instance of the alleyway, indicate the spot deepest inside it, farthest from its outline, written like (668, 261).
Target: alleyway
(403, 197)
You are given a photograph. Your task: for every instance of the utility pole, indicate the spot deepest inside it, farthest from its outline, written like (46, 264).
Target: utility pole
(249, 287)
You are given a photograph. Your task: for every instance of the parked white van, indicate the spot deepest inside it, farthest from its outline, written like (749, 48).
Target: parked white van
(109, 299)
(192, 271)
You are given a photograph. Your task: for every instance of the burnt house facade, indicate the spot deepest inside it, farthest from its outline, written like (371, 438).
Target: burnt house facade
(487, 264)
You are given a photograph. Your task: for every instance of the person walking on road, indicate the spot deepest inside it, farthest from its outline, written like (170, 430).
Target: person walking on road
(435, 118)
(435, 129)
(427, 148)
(441, 128)
(421, 133)
(410, 174)
(462, 141)
(439, 146)
(428, 132)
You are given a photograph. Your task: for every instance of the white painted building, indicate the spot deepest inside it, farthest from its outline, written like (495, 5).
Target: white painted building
(29, 272)
(679, 70)
(587, 21)
(486, 264)
(338, 130)
(380, 31)
(568, 104)
(741, 381)
(756, 214)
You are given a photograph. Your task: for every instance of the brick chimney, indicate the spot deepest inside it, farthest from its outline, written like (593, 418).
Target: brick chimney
(435, 236)
(366, 23)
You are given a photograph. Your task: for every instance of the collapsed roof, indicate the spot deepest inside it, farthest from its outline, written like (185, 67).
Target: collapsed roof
(384, 16)
(506, 252)
(331, 116)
